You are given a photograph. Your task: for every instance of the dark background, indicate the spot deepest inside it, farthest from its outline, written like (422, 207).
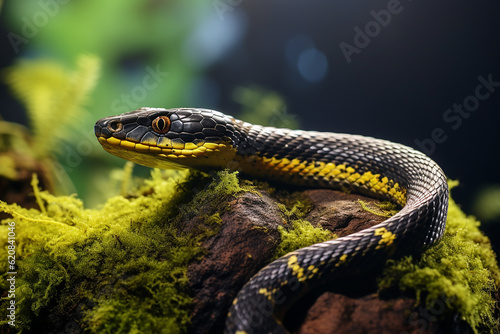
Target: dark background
(398, 87)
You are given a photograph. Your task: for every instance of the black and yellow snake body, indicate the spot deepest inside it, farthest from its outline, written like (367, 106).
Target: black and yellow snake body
(205, 139)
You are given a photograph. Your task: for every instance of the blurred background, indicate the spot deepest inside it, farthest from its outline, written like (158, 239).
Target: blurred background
(422, 73)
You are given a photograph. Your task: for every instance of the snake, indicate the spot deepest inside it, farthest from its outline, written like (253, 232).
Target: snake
(206, 140)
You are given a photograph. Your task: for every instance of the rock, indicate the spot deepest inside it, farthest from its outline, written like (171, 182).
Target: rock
(339, 212)
(240, 232)
(337, 313)
(245, 243)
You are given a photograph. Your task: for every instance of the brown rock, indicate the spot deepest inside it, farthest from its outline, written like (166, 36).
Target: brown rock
(246, 242)
(339, 212)
(337, 313)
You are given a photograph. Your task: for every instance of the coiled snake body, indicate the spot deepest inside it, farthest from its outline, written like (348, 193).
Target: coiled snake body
(204, 139)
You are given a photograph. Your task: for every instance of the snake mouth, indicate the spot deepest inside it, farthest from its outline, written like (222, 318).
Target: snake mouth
(190, 156)
(141, 154)
(187, 150)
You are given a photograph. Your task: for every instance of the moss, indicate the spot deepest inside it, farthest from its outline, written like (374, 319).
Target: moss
(301, 233)
(382, 209)
(215, 189)
(121, 268)
(461, 271)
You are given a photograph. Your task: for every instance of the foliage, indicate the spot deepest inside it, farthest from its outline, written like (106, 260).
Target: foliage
(265, 108)
(14, 141)
(53, 97)
(123, 267)
(487, 203)
(143, 49)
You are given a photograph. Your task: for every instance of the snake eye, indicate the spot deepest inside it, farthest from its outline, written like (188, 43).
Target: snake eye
(114, 126)
(161, 124)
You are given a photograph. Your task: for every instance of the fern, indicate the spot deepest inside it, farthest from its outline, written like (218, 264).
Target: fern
(53, 97)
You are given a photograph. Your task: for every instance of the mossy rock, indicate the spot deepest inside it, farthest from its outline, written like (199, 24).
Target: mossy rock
(133, 265)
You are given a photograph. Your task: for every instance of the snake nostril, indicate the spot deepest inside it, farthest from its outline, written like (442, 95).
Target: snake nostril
(114, 126)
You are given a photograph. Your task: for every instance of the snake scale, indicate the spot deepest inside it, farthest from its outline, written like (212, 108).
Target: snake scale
(204, 139)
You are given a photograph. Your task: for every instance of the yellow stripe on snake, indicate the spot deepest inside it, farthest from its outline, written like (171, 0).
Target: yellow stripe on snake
(205, 139)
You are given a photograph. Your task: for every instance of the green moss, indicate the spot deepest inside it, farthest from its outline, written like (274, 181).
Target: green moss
(123, 266)
(461, 271)
(301, 233)
(382, 209)
(214, 189)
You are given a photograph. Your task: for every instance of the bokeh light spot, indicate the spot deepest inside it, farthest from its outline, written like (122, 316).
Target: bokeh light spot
(312, 65)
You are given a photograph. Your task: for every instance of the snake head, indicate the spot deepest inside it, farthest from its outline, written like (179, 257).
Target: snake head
(169, 138)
